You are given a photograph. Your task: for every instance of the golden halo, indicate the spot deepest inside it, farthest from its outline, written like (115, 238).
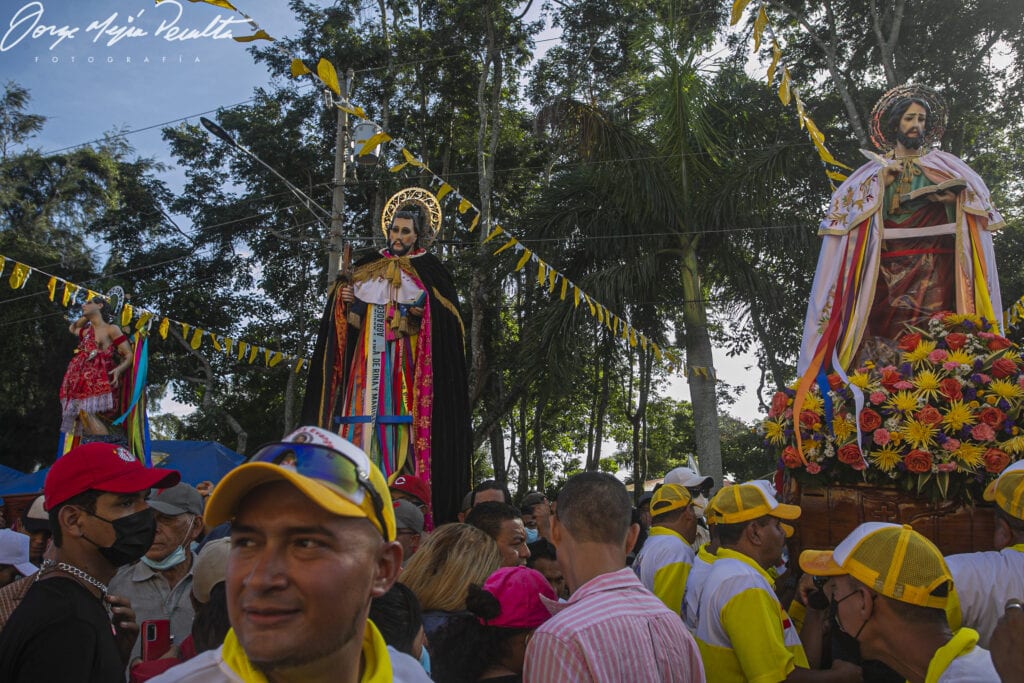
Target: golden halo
(428, 206)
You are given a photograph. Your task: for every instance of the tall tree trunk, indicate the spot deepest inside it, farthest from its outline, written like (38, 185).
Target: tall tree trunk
(602, 402)
(699, 360)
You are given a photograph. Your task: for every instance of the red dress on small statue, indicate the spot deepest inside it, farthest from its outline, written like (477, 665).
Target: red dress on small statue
(86, 386)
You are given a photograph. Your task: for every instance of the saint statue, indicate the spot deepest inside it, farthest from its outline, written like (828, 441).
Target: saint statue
(389, 371)
(907, 235)
(101, 361)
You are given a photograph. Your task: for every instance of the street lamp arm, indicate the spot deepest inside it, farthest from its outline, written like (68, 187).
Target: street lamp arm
(321, 213)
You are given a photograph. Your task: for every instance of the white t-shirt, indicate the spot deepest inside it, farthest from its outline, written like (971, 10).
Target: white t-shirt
(983, 583)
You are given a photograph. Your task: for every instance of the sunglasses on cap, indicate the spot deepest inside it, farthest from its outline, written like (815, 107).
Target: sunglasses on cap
(327, 466)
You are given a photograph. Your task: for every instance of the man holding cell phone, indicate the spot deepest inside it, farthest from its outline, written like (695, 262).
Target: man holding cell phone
(69, 627)
(312, 542)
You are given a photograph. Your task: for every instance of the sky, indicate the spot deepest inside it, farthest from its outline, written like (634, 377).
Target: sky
(96, 66)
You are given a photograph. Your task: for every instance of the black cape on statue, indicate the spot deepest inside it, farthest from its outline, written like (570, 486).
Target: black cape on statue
(450, 430)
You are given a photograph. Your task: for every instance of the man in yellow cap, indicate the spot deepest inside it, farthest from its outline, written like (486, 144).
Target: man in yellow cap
(743, 632)
(890, 592)
(985, 581)
(312, 542)
(664, 562)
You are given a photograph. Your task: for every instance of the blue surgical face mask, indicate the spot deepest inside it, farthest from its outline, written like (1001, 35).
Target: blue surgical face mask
(425, 659)
(175, 558)
(531, 535)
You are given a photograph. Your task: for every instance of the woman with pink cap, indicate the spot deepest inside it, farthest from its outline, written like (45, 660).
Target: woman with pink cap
(489, 642)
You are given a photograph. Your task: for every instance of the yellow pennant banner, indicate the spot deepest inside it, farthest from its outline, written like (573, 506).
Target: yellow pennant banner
(192, 334)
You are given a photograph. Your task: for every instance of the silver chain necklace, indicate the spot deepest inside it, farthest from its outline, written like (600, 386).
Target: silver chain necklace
(77, 573)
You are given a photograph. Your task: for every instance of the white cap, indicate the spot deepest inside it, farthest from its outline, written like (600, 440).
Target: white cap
(14, 551)
(684, 476)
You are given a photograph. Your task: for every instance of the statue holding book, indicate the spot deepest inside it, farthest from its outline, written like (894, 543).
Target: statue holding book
(907, 235)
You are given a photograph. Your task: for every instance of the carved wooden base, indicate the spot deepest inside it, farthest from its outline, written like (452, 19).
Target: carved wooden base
(832, 512)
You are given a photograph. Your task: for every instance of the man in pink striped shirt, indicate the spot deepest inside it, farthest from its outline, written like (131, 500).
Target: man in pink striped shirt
(612, 628)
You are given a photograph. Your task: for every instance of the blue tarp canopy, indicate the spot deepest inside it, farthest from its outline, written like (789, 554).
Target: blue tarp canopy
(197, 461)
(9, 473)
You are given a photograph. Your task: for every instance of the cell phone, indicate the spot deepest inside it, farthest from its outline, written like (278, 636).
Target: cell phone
(156, 638)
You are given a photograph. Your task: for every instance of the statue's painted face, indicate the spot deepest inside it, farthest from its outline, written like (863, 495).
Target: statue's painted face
(912, 126)
(401, 236)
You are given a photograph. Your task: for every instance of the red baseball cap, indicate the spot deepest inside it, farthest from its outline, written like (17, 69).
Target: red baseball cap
(101, 467)
(414, 486)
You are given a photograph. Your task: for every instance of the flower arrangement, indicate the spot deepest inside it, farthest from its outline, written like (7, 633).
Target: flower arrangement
(943, 421)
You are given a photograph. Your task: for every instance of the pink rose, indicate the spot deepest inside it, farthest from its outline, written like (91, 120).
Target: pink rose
(982, 432)
(877, 397)
(950, 445)
(813, 468)
(881, 436)
(937, 356)
(947, 467)
(904, 384)
(986, 335)
(858, 465)
(950, 366)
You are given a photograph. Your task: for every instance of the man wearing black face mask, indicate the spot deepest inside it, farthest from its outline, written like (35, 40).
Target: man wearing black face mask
(68, 628)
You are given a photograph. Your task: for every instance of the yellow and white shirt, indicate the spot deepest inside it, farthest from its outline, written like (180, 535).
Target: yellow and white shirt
(961, 661)
(663, 566)
(743, 632)
(694, 583)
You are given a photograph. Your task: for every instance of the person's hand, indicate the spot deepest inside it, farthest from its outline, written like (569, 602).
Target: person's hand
(115, 376)
(804, 588)
(891, 173)
(126, 629)
(944, 197)
(1007, 643)
(348, 294)
(846, 672)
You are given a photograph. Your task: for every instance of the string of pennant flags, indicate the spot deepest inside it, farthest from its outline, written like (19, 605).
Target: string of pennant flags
(788, 91)
(67, 293)
(547, 275)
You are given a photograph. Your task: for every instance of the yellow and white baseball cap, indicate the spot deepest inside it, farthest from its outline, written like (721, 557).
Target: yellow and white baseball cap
(892, 559)
(1008, 490)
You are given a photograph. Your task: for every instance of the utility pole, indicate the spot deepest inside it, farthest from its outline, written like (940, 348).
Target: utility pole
(337, 239)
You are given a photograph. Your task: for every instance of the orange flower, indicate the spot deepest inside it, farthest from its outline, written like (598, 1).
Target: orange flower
(950, 388)
(834, 381)
(1003, 367)
(996, 460)
(808, 419)
(999, 343)
(956, 340)
(918, 462)
(929, 416)
(992, 416)
(870, 420)
(909, 342)
(849, 454)
(790, 457)
(779, 403)
(889, 379)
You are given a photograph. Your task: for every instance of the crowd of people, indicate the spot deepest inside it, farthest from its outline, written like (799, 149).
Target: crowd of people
(305, 564)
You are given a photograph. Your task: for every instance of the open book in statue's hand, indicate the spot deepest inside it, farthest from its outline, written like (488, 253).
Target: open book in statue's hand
(954, 185)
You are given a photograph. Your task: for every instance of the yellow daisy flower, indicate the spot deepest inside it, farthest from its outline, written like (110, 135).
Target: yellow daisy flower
(953, 319)
(927, 383)
(1014, 445)
(1004, 388)
(814, 403)
(918, 434)
(1010, 354)
(970, 455)
(903, 401)
(885, 459)
(920, 354)
(842, 427)
(860, 380)
(773, 431)
(959, 357)
(958, 416)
